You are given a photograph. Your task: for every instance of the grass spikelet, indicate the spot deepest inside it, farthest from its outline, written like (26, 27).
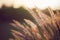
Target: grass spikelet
(44, 28)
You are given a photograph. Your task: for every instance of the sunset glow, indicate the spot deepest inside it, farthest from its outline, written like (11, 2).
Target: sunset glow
(42, 4)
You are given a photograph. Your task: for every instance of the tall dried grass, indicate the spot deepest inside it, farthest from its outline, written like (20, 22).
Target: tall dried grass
(45, 27)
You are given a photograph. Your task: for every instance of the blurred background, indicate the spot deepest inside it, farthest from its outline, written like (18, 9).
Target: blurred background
(42, 4)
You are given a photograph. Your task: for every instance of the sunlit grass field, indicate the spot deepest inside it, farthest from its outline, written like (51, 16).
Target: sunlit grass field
(29, 19)
(44, 26)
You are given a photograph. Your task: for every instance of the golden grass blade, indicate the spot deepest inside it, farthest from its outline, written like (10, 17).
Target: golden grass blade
(42, 15)
(16, 37)
(16, 32)
(36, 17)
(33, 26)
(18, 24)
(53, 17)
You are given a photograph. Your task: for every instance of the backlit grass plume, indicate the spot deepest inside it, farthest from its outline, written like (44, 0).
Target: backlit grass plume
(44, 28)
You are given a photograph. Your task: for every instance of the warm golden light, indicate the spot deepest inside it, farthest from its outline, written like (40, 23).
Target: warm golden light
(42, 4)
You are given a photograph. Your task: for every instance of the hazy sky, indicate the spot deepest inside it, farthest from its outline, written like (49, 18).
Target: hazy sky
(42, 4)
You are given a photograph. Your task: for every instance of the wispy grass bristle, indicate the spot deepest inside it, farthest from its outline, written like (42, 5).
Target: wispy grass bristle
(45, 28)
